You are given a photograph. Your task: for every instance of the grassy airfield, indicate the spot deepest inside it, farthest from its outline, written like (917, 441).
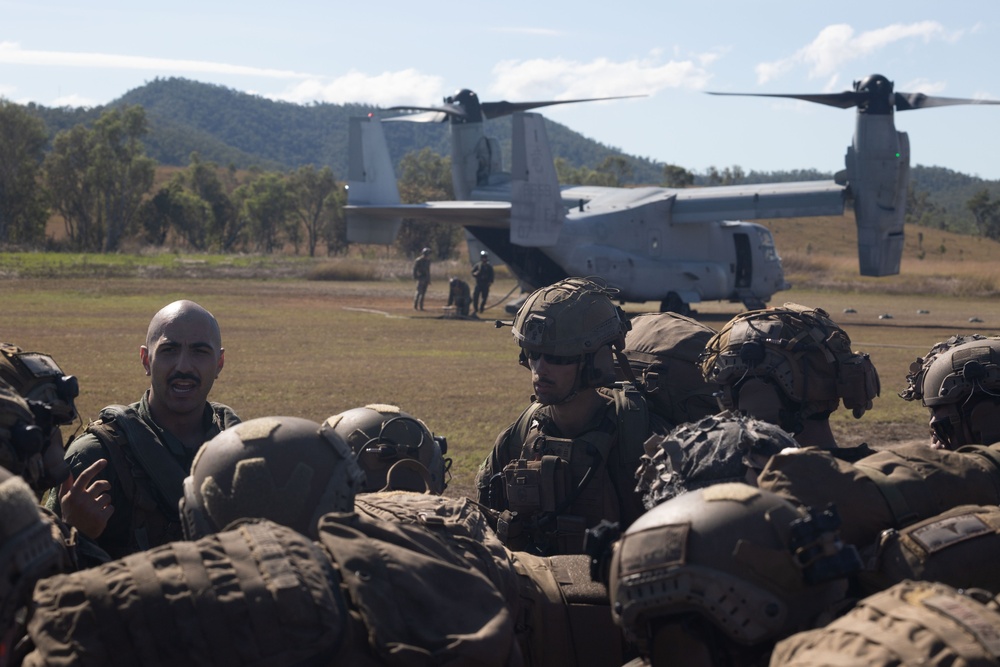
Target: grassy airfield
(312, 348)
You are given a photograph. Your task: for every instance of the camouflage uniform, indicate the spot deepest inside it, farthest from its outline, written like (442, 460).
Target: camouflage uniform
(145, 474)
(422, 274)
(482, 272)
(458, 295)
(550, 487)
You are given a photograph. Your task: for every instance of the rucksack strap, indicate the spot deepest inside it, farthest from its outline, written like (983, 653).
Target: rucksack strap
(166, 475)
(633, 423)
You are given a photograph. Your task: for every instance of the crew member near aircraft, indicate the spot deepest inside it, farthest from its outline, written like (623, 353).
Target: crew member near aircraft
(422, 274)
(482, 272)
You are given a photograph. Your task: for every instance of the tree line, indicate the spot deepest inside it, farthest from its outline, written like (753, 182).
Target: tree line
(100, 182)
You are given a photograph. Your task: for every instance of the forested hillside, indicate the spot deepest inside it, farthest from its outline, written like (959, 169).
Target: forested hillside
(230, 127)
(235, 129)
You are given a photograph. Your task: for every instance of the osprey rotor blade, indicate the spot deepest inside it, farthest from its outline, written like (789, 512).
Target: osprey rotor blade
(910, 101)
(429, 114)
(844, 100)
(497, 109)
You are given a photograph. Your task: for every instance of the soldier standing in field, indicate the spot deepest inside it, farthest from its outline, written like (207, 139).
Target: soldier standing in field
(422, 274)
(482, 272)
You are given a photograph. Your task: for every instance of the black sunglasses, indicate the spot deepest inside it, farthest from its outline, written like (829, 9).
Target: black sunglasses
(553, 358)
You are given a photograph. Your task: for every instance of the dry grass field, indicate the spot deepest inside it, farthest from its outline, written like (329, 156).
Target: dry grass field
(312, 348)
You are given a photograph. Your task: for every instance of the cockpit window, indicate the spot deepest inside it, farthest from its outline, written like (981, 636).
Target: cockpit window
(766, 243)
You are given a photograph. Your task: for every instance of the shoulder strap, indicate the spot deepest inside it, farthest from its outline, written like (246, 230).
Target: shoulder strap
(166, 475)
(521, 426)
(633, 422)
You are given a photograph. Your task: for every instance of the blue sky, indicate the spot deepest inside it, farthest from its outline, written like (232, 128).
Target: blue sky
(56, 52)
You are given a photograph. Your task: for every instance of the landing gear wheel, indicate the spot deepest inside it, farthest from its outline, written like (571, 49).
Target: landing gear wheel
(674, 304)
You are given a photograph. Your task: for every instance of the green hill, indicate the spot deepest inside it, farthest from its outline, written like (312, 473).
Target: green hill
(231, 127)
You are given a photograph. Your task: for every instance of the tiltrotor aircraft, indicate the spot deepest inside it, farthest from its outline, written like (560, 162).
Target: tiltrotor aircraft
(675, 246)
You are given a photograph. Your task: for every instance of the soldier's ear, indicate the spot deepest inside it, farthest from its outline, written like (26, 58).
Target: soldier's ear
(144, 357)
(222, 361)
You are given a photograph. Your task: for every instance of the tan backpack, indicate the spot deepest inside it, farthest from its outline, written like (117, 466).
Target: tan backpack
(258, 595)
(418, 597)
(960, 547)
(892, 488)
(663, 351)
(912, 623)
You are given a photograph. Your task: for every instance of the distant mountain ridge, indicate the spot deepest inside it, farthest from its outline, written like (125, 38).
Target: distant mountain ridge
(230, 127)
(227, 126)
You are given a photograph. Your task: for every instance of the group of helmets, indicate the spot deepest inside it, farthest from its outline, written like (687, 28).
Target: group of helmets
(292, 470)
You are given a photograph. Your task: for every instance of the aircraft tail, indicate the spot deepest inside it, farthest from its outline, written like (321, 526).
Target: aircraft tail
(878, 171)
(371, 181)
(537, 213)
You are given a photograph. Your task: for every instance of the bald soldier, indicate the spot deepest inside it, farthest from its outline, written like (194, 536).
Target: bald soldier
(149, 446)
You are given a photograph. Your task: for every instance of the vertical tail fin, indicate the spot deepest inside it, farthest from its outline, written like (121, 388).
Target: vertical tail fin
(878, 171)
(370, 180)
(537, 213)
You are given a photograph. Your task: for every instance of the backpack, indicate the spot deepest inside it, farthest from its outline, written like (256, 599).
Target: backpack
(663, 351)
(260, 595)
(959, 547)
(420, 601)
(912, 623)
(561, 615)
(892, 488)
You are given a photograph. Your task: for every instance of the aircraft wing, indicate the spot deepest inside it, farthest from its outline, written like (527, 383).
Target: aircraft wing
(751, 202)
(477, 213)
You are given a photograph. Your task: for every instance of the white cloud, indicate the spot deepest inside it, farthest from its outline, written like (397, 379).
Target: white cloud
(74, 101)
(836, 45)
(924, 86)
(559, 78)
(386, 89)
(11, 53)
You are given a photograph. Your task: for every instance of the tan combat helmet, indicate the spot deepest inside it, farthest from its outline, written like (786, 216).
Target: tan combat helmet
(50, 396)
(574, 319)
(959, 381)
(795, 352)
(396, 450)
(285, 469)
(731, 567)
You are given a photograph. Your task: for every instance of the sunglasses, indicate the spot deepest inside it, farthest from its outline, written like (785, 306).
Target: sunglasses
(553, 358)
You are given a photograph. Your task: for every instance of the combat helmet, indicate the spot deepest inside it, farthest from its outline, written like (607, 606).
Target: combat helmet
(49, 395)
(959, 381)
(395, 450)
(285, 469)
(740, 565)
(727, 447)
(799, 352)
(573, 319)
